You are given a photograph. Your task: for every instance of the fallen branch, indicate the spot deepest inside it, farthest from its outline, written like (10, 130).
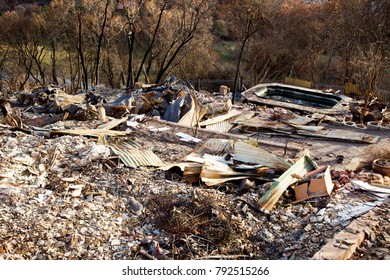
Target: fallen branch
(217, 257)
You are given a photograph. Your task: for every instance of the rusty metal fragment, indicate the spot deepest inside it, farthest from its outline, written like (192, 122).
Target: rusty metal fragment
(190, 170)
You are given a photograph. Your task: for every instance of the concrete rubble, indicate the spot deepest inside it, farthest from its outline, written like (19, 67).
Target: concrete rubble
(166, 172)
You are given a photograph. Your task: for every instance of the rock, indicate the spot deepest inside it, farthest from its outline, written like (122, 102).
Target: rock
(115, 242)
(135, 207)
(308, 228)
(370, 234)
(267, 235)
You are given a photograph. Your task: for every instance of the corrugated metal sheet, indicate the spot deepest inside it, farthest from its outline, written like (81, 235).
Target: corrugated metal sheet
(250, 154)
(216, 146)
(212, 146)
(291, 176)
(113, 123)
(134, 156)
(133, 144)
(191, 170)
(230, 115)
(187, 138)
(216, 172)
(192, 117)
(244, 117)
(223, 126)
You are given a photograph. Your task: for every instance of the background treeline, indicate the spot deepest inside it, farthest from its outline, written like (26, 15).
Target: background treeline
(83, 43)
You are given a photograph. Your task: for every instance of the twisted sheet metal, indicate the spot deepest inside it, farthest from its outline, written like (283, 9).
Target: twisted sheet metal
(291, 176)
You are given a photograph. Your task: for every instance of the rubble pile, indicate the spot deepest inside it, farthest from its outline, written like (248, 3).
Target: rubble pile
(165, 172)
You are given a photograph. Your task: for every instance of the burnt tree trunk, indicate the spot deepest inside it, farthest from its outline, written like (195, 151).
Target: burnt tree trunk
(130, 43)
(100, 42)
(53, 63)
(141, 67)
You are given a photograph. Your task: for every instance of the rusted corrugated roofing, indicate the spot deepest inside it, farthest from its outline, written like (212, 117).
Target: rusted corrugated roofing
(134, 156)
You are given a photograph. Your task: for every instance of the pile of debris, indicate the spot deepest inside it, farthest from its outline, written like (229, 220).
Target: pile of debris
(165, 172)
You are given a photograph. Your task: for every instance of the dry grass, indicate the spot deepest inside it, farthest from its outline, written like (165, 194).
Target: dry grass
(380, 150)
(197, 214)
